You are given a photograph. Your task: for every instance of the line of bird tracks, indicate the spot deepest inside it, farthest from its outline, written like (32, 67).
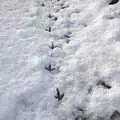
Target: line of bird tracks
(59, 34)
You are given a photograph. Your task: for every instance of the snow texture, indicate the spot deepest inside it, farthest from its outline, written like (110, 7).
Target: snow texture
(72, 45)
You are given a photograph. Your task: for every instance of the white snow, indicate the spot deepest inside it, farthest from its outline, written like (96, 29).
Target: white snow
(85, 35)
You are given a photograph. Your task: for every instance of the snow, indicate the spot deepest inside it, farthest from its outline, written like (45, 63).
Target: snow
(82, 49)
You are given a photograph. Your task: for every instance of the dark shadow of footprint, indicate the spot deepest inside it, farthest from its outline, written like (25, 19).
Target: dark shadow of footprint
(112, 2)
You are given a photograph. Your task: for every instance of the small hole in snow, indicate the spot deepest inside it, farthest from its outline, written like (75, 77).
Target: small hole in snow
(42, 4)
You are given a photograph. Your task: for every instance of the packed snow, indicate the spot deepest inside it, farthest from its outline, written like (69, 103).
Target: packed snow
(60, 60)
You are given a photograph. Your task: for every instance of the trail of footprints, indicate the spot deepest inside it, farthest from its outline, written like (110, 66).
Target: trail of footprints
(52, 67)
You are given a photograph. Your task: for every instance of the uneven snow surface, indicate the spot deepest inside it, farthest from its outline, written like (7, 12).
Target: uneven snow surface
(72, 45)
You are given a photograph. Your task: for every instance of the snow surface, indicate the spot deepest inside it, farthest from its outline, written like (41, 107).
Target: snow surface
(86, 40)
